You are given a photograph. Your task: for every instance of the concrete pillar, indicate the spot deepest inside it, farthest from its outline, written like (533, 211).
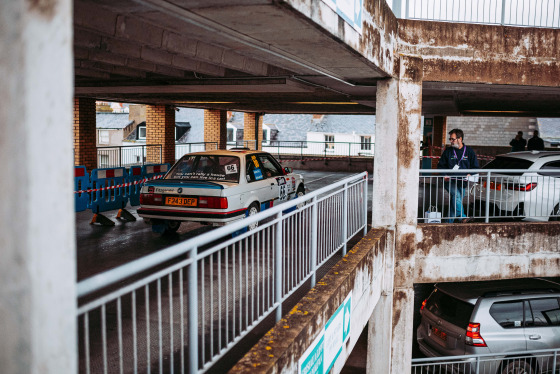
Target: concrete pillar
(439, 137)
(85, 149)
(160, 133)
(395, 204)
(215, 128)
(37, 234)
(253, 130)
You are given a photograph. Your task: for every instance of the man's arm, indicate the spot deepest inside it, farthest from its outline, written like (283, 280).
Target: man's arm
(442, 163)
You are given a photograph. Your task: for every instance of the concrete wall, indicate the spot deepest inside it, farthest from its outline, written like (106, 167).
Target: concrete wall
(360, 272)
(461, 52)
(448, 253)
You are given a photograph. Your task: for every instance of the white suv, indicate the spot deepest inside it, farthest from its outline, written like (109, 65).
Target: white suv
(490, 317)
(532, 194)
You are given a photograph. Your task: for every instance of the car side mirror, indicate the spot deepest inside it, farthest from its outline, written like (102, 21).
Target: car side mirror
(287, 170)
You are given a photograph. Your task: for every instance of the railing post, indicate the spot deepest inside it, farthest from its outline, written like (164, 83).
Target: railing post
(503, 20)
(301, 150)
(397, 8)
(192, 276)
(345, 218)
(487, 207)
(349, 151)
(160, 154)
(120, 156)
(554, 362)
(366, 203)
(143, 149)
(279, 281)
(314, 246)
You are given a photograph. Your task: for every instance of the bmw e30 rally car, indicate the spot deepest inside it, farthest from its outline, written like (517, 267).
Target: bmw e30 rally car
(218, 187)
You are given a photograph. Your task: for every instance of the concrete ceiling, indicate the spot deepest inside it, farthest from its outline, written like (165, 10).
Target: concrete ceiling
(249, 55)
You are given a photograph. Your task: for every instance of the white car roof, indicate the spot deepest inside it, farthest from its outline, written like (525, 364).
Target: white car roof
(533, 155)
(223, 152)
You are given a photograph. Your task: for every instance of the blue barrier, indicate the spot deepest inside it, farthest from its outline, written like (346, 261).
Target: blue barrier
(111, 198)
(133, 191)
(154, 170)
(81, 183)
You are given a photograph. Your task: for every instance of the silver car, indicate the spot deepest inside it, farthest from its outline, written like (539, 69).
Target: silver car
(493, 317)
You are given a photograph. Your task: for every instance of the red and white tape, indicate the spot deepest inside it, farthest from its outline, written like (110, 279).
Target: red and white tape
(120, 185)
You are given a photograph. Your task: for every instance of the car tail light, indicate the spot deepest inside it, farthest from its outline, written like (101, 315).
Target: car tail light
(521, 187)
(151, 199)
(423, 304)
(473, 336)
(212, 202)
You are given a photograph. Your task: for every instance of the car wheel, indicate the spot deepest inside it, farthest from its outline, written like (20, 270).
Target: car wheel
(555, 214)
(518, 366)
(251, 211)
(300, 192)
(172, 226)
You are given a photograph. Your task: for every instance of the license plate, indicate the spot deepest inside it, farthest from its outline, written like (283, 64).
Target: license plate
(180, 201)
(494, 186)
(440, 334)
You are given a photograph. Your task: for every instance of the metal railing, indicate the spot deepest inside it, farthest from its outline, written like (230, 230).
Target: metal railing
(305, 149)
(535, 361)
(124, 156)
(184, 307)
(490, 194)
(184, 148)
(534, 13)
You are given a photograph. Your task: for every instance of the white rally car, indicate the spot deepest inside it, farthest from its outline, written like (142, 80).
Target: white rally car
(217, 187)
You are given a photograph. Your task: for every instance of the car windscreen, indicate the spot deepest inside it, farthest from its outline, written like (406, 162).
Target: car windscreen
(509, 163)
(213, 168)
(450, 309)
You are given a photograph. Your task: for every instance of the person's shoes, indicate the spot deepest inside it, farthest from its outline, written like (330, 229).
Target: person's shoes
(467, 220)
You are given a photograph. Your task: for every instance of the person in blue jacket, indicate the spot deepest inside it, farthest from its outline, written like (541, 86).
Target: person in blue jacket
(458, 156)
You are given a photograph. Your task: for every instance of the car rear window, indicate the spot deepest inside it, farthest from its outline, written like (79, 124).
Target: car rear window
(450, 309)
(509, 163)
(206, 168)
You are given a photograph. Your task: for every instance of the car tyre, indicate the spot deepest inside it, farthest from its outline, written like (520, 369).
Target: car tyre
(518, 366)
(300, 192)
(555, 214)
(172, 226)
(251, 211)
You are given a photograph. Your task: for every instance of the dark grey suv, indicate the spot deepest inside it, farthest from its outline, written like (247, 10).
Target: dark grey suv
(492, 317)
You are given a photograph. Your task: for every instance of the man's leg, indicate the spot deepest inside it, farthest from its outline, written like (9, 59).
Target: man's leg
(459, 192)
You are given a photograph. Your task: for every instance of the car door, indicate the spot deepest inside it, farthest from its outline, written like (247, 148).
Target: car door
(542, 328)
(260, 183)
(275, 175)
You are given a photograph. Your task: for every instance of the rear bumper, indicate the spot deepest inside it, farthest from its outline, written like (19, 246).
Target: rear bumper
(192, 216)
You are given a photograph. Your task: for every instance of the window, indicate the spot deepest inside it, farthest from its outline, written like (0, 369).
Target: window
(365, 143)
(103, 136)
(508, 314)
(329, 142)
(206, 168)
(260, 167)
(551, 169)
(230, 135)
(141, 132)
(265, 138)
(450, 309)
(545, 312)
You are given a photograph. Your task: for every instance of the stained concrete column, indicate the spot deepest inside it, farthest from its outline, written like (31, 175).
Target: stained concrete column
(160, 133)
(215, 128)
(85, 147)
(395, 207)
(253, 130)
(37, 228)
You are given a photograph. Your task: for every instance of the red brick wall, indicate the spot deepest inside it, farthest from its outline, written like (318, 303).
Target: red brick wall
(160, 130)
(215, 128)
(85, 150)
(249, 129)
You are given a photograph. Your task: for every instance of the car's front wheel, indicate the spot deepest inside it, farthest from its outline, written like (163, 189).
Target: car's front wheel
(251, 211)
(517, 366)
